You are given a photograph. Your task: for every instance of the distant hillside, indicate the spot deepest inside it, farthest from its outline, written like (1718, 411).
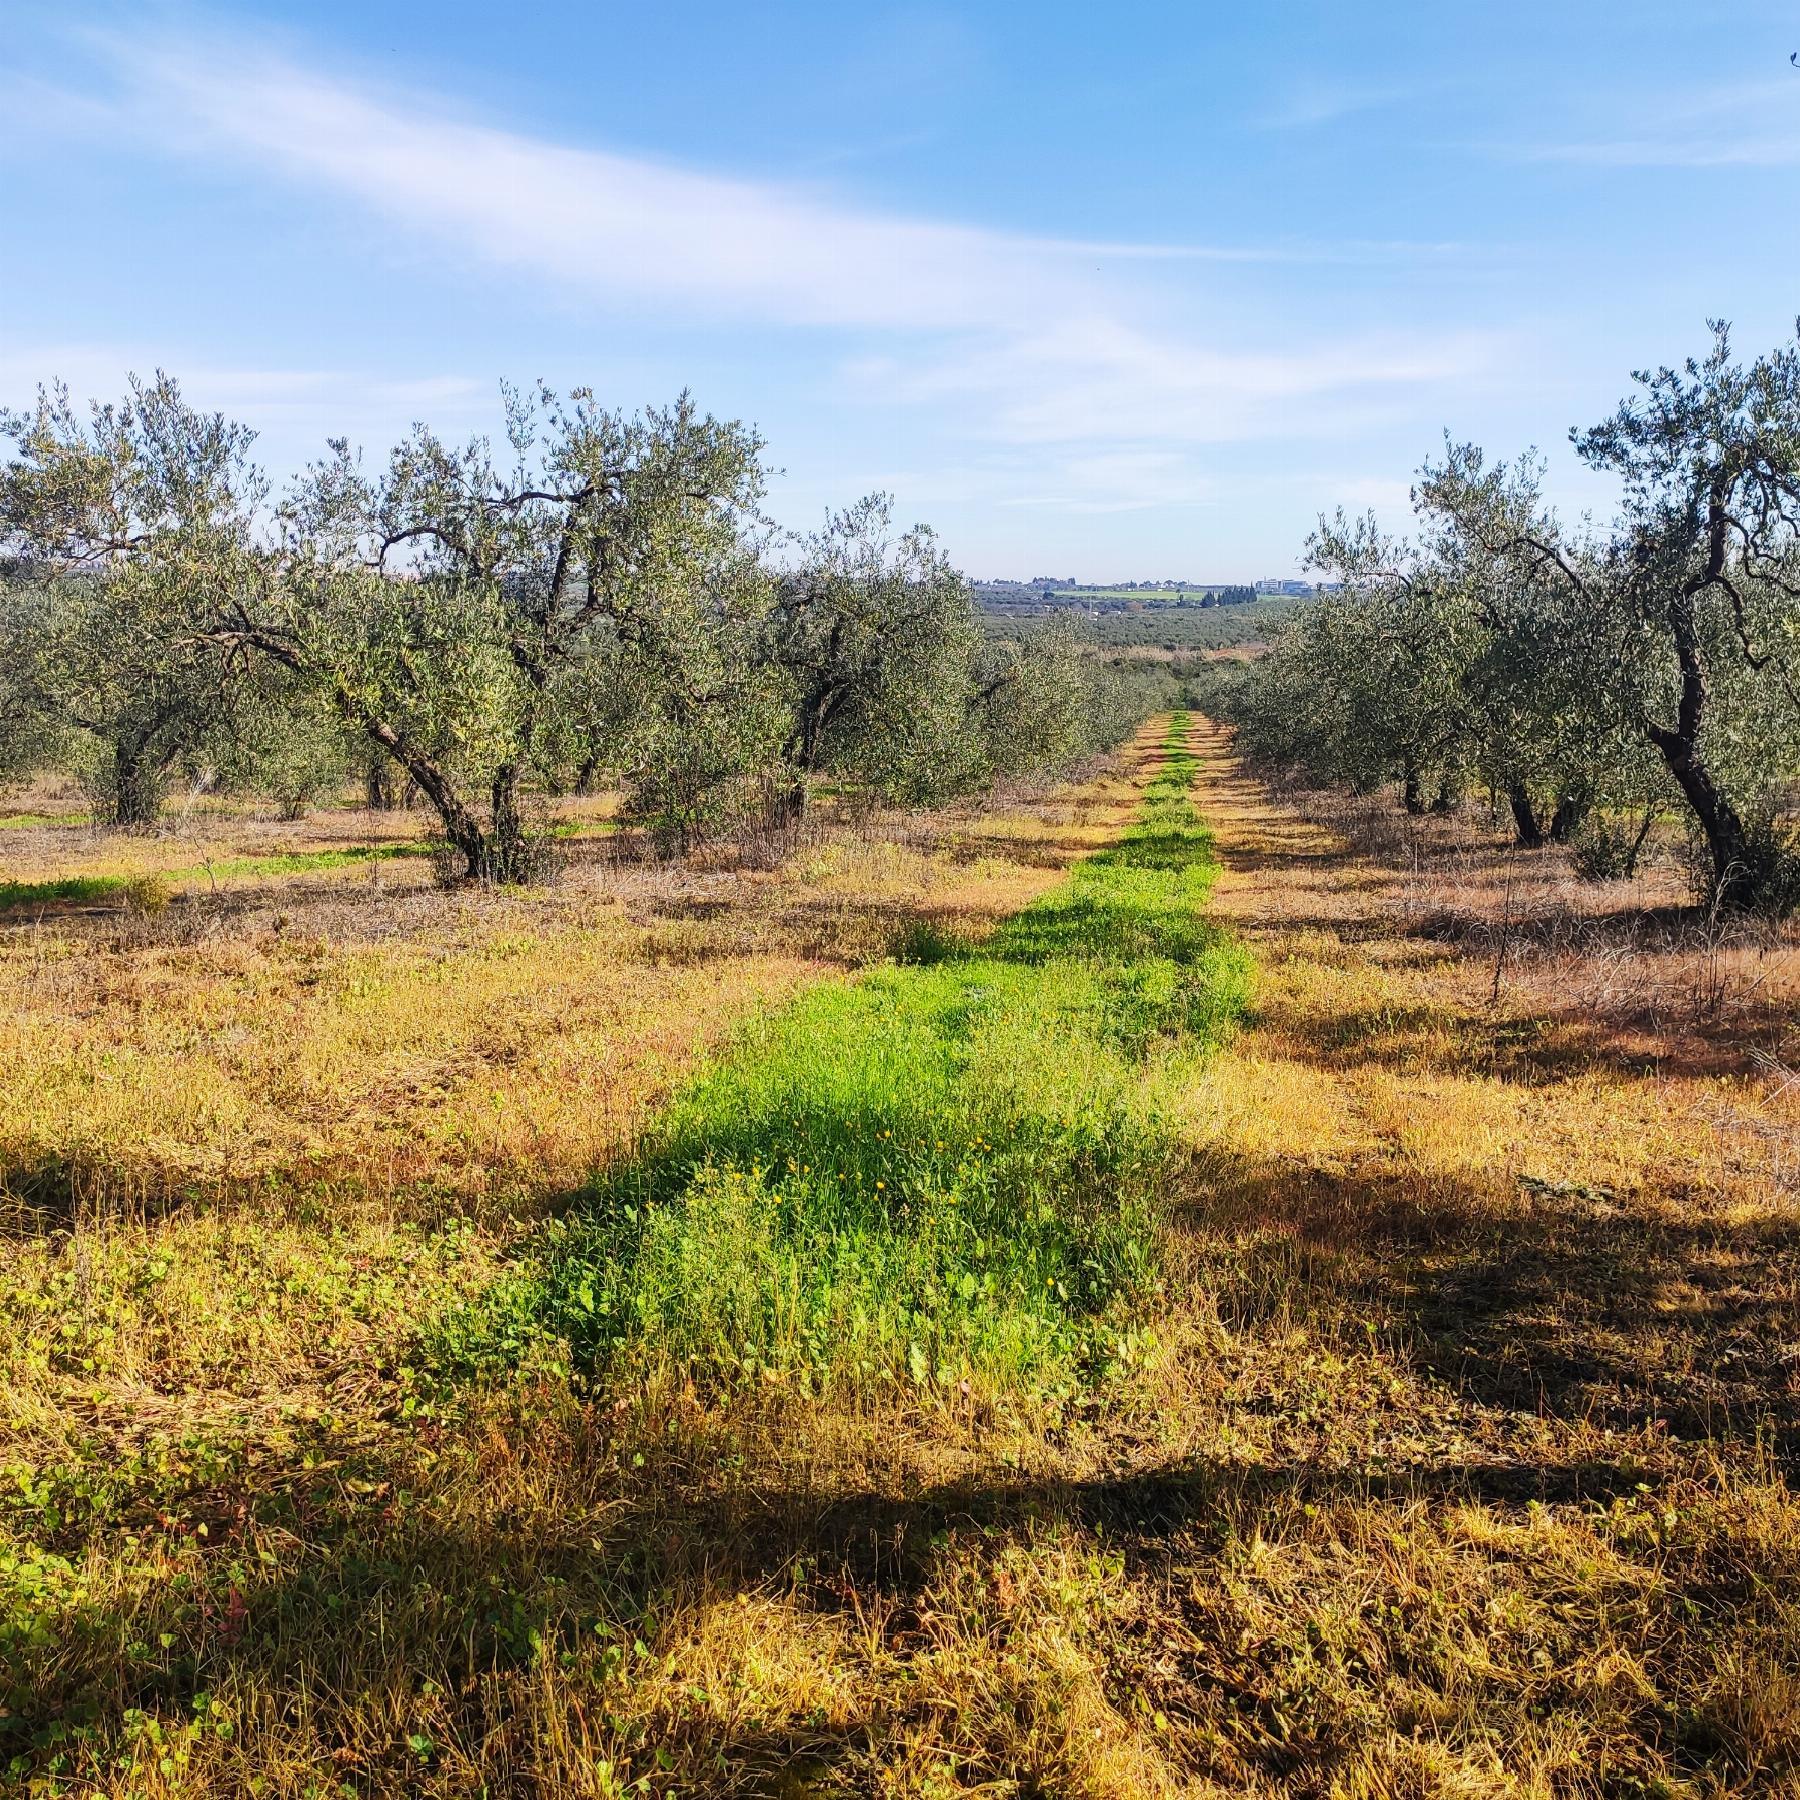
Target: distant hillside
(1044, 595)
(1189, 624)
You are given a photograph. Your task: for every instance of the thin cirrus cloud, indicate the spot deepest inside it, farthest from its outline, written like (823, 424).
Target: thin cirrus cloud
(594, 222)
(1095, 378)
(1054, 339)
(1073, 479)
(298, 409)
(1745, 125)
(1312, 102)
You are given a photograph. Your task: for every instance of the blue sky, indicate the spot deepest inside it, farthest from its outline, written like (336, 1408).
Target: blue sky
(1103, 291)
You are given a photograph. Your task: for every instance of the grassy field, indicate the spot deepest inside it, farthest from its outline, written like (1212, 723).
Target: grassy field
(51, 861)
(1159, 625)
(1138, 596)
(1151, 1289)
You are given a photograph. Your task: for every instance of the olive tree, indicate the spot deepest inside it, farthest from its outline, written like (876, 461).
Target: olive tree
(1369, 682)
(1439, 662)
(125, 534)
(1044, 701)
(1397, 639)
(706, 712)
(285, 741)
(1694, 593)
(1547, 736)
(875, 638)
(452, 606)
(29, 741)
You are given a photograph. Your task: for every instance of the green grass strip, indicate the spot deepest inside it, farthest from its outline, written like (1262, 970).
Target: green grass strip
(63, 888)
(85, 888)
(100, 887)
(954, 1168)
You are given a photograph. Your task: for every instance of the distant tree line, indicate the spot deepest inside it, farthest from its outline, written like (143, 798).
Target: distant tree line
(1011, 597)
(601, 598)
(1590, 677)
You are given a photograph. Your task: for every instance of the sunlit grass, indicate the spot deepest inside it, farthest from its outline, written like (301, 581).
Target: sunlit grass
(90, 888)
(86, 889)
(950, 1170)
(428, 1051)
(236, 1172)
(1461, 1464)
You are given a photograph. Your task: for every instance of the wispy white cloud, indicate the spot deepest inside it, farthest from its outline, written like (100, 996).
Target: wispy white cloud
(1388, 495)
(592, 221)
(629, 227)
(298, 407)
(1123, 480)
(1749, 125)
(1068, 376)
(1093, 377)
(1314, 101)
(1068, 479)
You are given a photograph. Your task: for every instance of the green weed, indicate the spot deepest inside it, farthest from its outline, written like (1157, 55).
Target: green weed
(83, 888)
(946, 1172)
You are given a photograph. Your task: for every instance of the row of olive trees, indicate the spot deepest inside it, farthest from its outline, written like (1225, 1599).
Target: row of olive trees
(600, 598)
(1580, 674)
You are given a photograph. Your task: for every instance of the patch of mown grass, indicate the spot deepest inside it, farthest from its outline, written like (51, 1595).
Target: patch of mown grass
(951, 1171)
(76, 889)
(83, 888)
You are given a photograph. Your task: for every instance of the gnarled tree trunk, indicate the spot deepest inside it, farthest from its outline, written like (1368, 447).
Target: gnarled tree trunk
(378, 784)
(1744, 873)
(133, 793)
(1525, 820)
(1572, 809)
(1412, 792)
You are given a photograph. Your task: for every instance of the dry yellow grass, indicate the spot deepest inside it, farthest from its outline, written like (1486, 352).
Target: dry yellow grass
(335, 1038)
(1462, 1470)
(1614, 1051)
(214, 832)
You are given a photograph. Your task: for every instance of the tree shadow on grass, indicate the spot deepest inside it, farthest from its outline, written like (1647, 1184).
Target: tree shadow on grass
(1694, 1031)
(1557, 1300)
(1567, 1308)
(1422, 1037)
(385, 1602)
(50, 1194)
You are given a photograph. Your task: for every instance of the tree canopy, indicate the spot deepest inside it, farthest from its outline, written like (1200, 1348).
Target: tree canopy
(1648, 662)
(597, 596)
